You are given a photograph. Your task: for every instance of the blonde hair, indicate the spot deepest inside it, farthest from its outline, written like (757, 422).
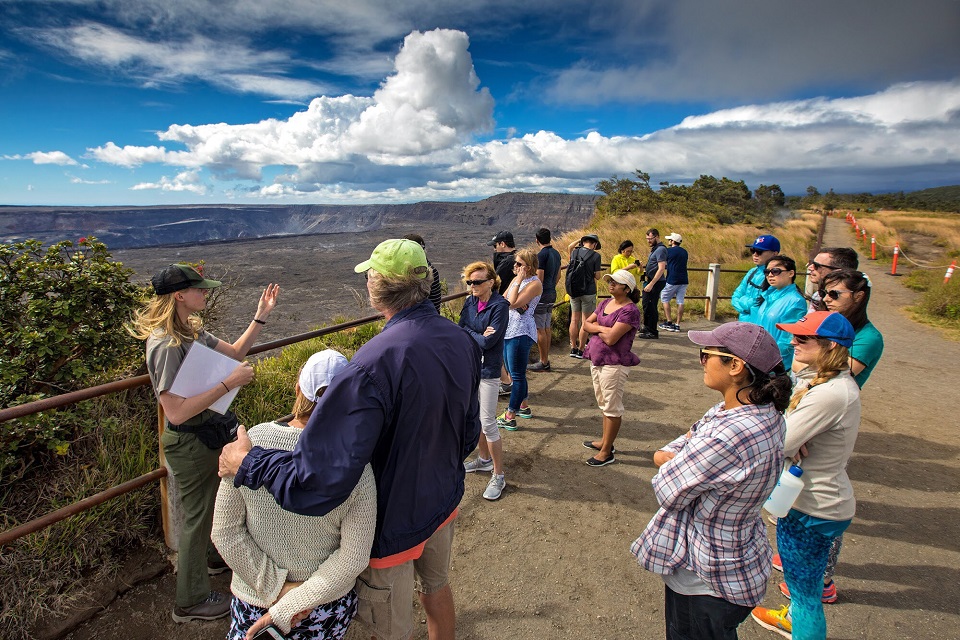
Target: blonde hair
(529, 258)
(830, 363)
(159, 316)
(486, 267)
(303, 407)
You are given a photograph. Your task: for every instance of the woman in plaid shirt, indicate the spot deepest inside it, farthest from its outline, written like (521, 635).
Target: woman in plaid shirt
(707, 541)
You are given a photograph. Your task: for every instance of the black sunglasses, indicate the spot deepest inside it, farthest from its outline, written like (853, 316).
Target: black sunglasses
(817, 265)
(802, 339)
(470, 283)
(773, 272)
(757, 252)
(706, 353)
(834, 294)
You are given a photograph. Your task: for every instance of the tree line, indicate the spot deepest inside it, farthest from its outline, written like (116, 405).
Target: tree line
(728, 201)
(731, 201)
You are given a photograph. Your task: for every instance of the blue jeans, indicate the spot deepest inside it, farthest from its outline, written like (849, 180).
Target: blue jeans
(516, 353)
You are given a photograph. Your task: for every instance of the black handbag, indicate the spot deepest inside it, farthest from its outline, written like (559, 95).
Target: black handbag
(214, 432)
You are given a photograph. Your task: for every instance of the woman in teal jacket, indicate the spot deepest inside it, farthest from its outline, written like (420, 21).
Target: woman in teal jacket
(746, 299)
(782, 303)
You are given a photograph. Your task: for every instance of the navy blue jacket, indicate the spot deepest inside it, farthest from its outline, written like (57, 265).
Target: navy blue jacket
(495, 315)
(407, 403)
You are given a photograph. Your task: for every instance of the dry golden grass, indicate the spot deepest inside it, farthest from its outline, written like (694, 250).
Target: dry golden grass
(890, 227)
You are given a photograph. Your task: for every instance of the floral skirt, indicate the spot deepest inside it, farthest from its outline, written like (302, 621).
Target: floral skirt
(329, 621)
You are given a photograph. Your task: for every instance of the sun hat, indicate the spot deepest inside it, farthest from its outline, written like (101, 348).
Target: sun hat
(749, 342)
(396, 258)
(178, 277)
(319, 371)
(765, 243)
(676, 237)
(623, 277)
(823, 324)
(502, 236)
(591, 237)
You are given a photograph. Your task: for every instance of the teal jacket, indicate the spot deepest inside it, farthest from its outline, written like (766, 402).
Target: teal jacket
(746, 298)
(781, 306)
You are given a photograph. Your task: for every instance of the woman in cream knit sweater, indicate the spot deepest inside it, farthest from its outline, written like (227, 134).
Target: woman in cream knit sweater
(292, 571)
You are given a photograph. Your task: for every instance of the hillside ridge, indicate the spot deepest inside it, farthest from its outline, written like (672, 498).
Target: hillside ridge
(137, 227)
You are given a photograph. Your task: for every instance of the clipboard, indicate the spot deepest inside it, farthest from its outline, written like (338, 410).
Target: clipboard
(202, 370)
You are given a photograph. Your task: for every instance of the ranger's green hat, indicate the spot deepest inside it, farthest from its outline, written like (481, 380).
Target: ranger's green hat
(396, 258)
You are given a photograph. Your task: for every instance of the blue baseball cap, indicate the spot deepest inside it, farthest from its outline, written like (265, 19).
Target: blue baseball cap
(822, 324)
(765, 243)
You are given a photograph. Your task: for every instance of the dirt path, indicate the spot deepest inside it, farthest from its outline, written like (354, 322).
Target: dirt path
(551, 559)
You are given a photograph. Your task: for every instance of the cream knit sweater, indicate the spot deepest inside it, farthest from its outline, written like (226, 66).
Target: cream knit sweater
(266, 545)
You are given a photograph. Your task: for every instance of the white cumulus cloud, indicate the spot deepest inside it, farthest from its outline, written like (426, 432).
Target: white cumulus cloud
(186, 181)
(44, 157)
(417, 138)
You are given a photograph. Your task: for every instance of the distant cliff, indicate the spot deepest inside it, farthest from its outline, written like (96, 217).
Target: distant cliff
(132, 227)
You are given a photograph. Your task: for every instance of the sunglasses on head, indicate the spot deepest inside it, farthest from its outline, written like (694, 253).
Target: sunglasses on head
(817, 265)
(773, 272)
(834, 294)
(470, 283)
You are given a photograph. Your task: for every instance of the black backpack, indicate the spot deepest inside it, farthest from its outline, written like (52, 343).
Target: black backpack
(579, 275)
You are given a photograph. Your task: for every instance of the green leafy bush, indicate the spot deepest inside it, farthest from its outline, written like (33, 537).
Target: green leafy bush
(62, 310)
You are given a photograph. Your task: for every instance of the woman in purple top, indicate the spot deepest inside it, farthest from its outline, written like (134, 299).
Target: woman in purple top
(612, 328)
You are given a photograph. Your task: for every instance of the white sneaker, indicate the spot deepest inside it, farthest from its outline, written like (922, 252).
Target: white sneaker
(494, 487)
(478, 464)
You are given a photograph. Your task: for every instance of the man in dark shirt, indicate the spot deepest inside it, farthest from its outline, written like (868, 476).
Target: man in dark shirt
(504, 251)
(436, 291)
(677, 281)
(582, 302)
(548, 270)
(653, 274)
(400, 407)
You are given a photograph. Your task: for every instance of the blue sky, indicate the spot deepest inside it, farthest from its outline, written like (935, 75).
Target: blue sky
(112, 102)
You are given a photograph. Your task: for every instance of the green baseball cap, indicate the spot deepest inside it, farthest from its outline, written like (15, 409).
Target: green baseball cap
(396, 258)
(178, 277)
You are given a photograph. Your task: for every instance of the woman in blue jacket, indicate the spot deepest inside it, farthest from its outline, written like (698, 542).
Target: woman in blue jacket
(484, 317)
(782, 303)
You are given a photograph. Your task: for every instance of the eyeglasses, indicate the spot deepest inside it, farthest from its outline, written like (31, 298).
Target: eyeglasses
(706, 353)
(773, 272)
(834, 294)
(817, 265)
(470, 283)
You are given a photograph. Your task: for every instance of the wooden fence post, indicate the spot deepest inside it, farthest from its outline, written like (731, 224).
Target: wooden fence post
(171, 510)
(713, 291)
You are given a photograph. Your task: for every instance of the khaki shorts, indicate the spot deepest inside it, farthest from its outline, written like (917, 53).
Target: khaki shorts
(386, 595)
(584, 304)
(608, 383)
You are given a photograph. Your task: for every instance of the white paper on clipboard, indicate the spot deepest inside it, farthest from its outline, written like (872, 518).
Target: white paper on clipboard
(202, 370)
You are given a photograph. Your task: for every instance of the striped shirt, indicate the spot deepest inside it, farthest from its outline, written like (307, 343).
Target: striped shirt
(710, 496)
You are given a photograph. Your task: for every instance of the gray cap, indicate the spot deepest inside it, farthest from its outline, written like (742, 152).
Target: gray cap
(591, 237)
(749, 342)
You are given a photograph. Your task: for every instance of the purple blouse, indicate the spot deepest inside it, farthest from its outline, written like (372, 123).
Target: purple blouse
(599, 352)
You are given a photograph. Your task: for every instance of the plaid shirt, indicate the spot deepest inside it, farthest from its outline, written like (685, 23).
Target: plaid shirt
(710, 496)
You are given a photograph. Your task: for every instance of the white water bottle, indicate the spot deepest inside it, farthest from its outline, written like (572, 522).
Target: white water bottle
(786, 492)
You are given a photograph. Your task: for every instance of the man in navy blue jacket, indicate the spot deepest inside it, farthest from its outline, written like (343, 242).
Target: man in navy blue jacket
(406, 404)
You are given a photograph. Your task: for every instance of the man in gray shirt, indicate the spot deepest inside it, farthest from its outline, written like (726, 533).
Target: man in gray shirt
(654, 276)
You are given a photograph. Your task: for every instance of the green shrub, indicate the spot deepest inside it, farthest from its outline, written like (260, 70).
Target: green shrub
(62, 311)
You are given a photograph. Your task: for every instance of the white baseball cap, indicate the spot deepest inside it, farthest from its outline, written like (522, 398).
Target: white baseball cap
(675, 237)
(319, 371)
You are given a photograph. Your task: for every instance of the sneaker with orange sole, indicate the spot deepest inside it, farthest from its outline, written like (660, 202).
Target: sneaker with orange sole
(777, 565)
(829, 595)
(774, 619)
